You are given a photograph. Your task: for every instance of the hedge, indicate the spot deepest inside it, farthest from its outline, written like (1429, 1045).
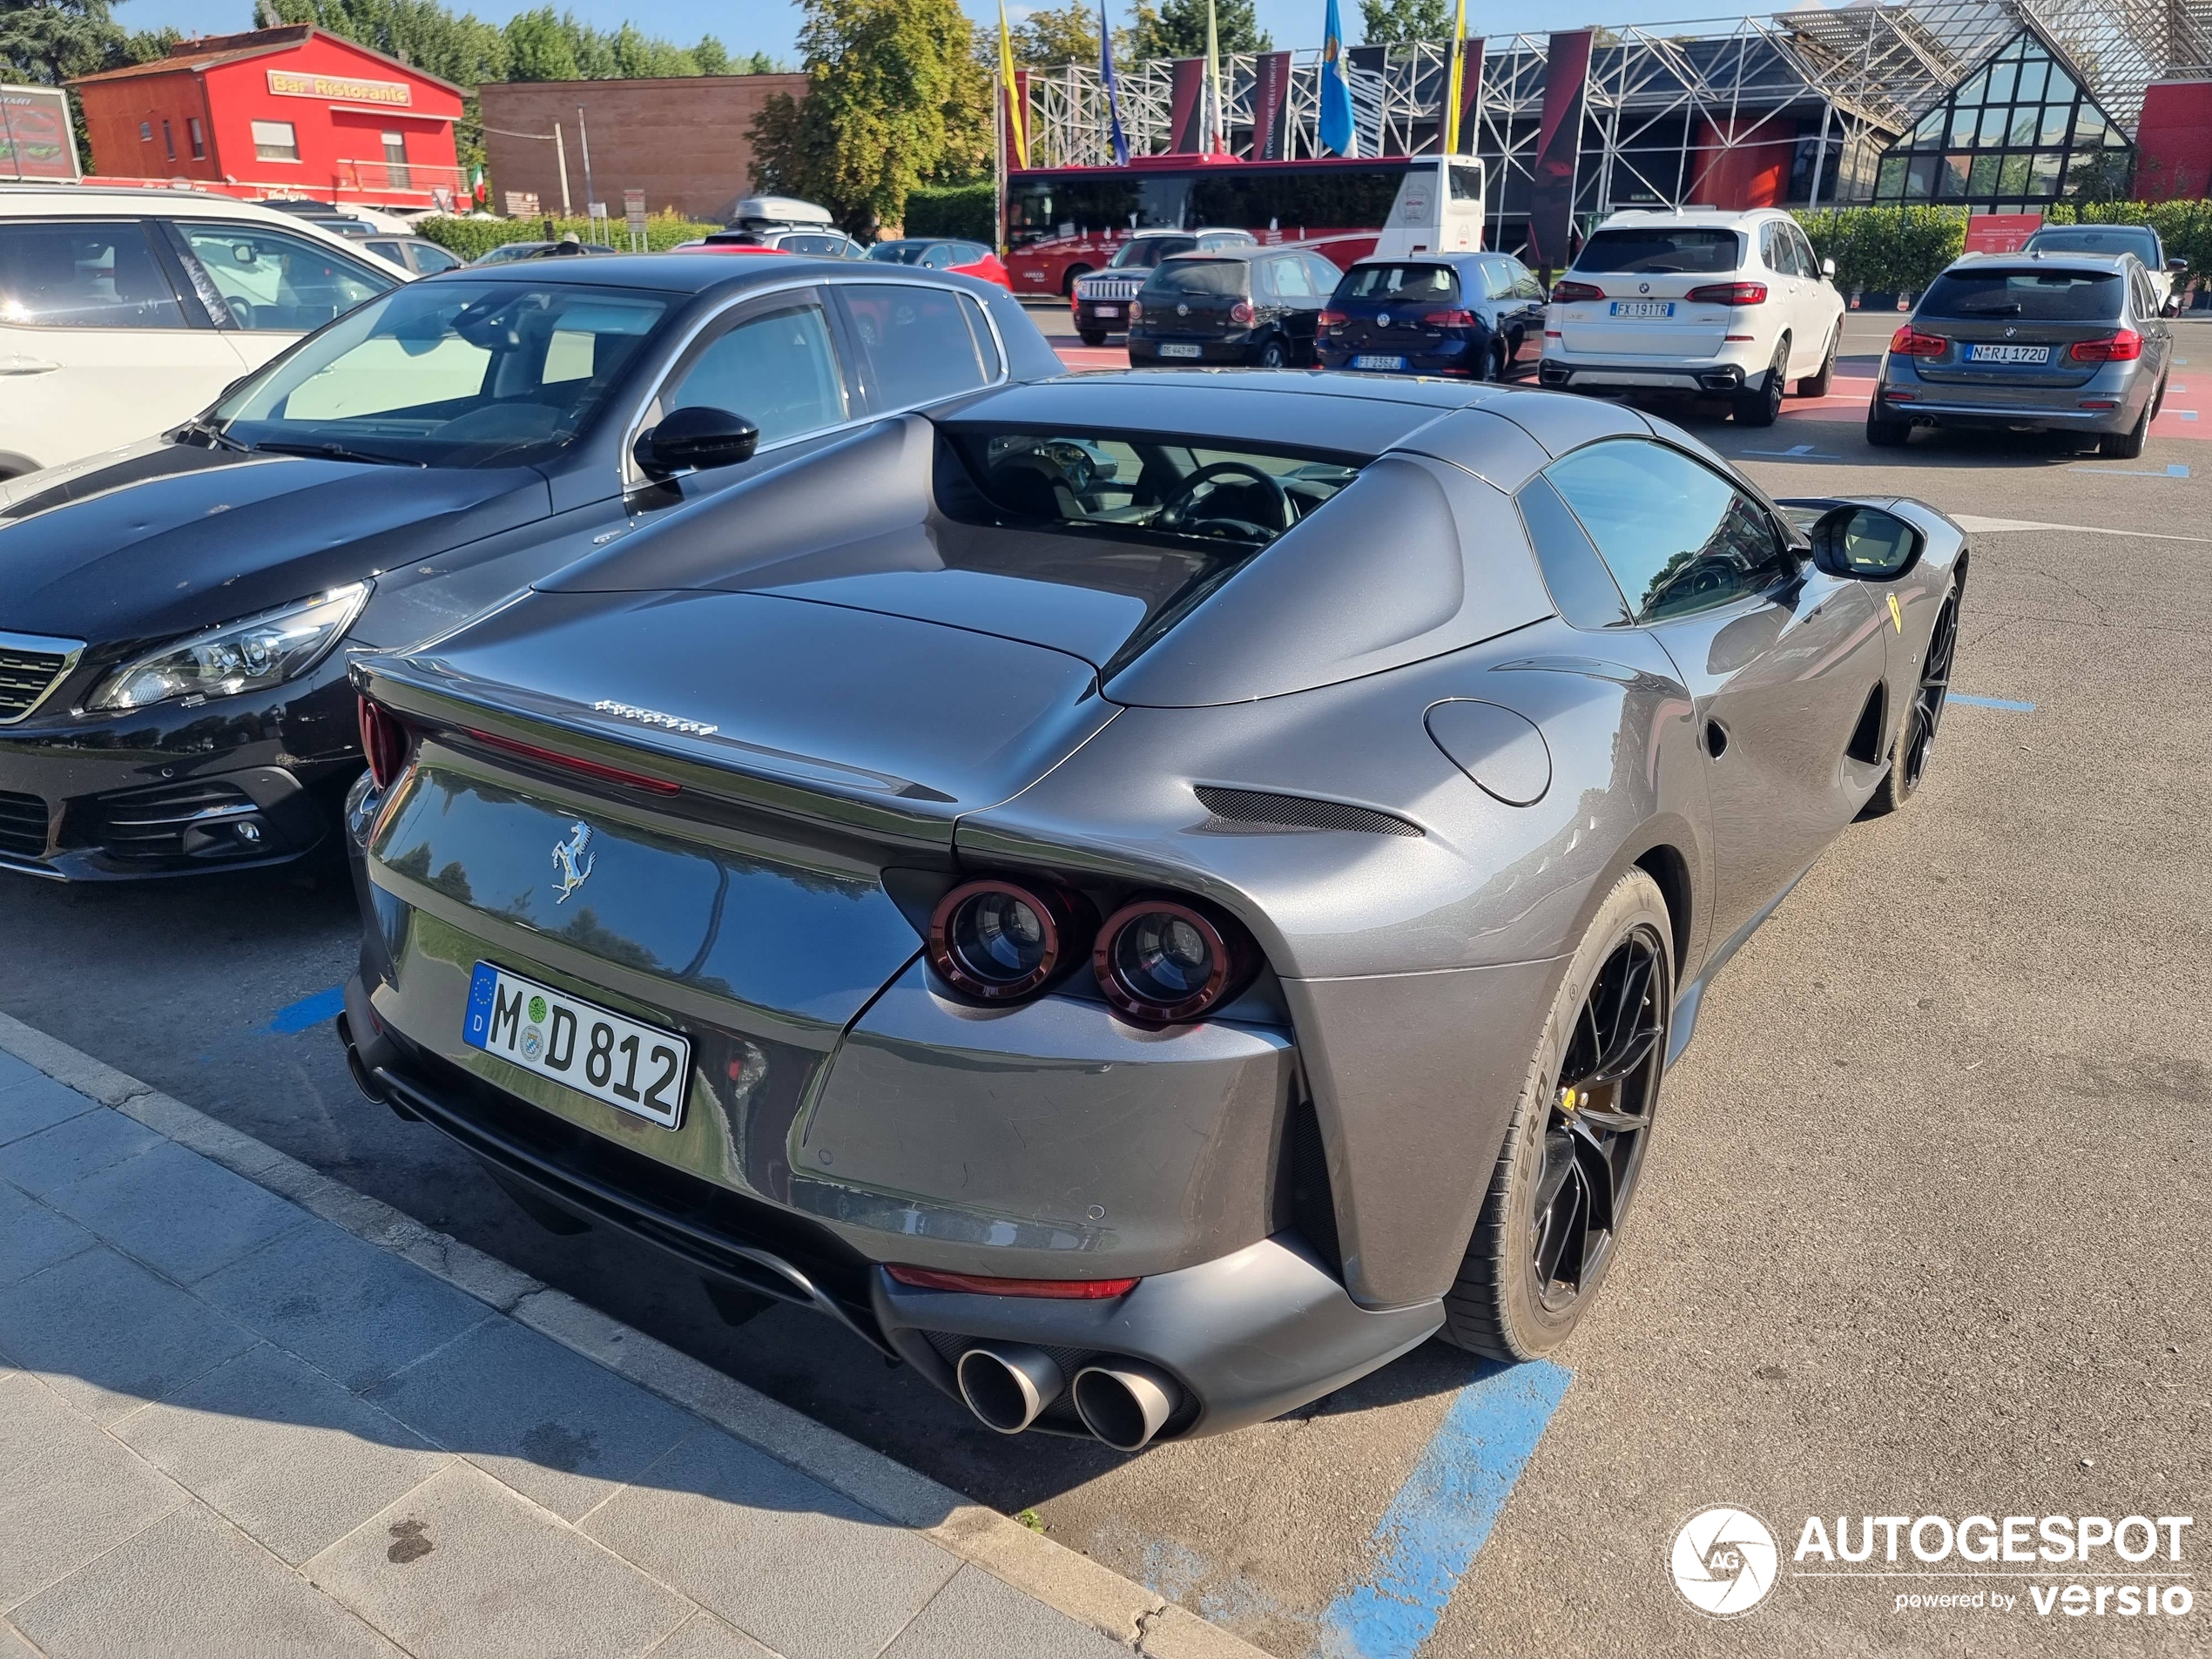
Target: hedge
(968, 211)
(1899, 250)
(471, 237)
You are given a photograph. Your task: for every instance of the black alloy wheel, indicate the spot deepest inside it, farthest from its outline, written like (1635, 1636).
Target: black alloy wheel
(1914, 745)
(1601, 1111)
(1764, 407)
(1928, 699)
(1572, 1154)
(1272, 355)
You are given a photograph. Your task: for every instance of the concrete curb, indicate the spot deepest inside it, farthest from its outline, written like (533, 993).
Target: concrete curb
(1050, 1572)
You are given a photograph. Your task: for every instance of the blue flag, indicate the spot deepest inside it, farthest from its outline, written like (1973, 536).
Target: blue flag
(1113, 93)
(1336, 93)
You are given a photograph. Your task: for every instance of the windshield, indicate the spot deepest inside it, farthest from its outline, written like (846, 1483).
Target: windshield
(1201, 276)
(1148, 251)
(2034, 296)
(448, 374)
(1422, 282)
(899, 253)
(1663, 250)
(2099, 238)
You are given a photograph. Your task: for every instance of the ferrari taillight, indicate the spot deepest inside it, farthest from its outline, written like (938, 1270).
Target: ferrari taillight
(1161, 960)
(384, 742)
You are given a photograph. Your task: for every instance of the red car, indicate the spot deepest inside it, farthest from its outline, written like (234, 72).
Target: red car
(968, 259)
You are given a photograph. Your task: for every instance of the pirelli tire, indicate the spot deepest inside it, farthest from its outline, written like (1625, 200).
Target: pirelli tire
(1507, 1304)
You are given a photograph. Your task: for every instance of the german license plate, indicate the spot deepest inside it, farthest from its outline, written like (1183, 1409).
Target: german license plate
(1173, 350)
(1978, 353)
(1643, 309)
(1367, 360)
(1108, 311)
(631, 1067)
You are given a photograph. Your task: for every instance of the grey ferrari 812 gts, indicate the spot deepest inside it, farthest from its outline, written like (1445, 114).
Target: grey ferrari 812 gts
(1144, 897)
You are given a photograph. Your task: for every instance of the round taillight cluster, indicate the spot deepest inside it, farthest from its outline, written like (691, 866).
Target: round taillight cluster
(997, 939)
(1159, 960)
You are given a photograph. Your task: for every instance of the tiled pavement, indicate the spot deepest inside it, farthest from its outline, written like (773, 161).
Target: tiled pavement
(230, 1425)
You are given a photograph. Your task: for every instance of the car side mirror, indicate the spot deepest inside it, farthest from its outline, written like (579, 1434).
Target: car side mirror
(1864, 542)
(2177, 265)
(693, 440)
(1828, 269)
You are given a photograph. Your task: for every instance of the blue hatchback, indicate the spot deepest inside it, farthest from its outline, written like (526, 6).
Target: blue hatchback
(1452, 313)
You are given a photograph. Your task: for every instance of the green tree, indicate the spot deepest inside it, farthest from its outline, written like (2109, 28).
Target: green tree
(538, 49)
(1389, 22)
(1178, 29)
(45, 43)
(758, 63)
(1064, 34)
(897, 96)
(711, 56)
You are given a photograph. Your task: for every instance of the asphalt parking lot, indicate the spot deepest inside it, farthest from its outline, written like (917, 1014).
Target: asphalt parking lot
(1922, 1231)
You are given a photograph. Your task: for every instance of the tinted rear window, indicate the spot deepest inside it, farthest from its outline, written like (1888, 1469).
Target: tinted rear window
(1668, 249)
(1202, 276)
(2033, 296)
(2099, 238)
(1149, 251)
(1408, 281)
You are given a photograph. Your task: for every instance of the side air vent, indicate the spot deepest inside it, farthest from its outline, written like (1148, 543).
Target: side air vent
(1865, 744)
(1252, 812)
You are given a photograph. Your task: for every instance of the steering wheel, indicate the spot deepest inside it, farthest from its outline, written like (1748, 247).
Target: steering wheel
(241, 313)
(1174, 509)
(1074, 461)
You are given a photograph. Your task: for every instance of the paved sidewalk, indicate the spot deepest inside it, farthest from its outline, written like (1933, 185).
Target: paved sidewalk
(235, 1423)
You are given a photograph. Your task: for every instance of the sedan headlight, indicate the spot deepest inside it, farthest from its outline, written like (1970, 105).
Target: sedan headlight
(242, 656)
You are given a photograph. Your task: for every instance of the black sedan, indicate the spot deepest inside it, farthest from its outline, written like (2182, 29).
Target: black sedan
(1458, 314)
(1257, 306)
(178, 615)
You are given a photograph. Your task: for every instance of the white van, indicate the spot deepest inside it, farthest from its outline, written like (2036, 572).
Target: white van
(124, 312)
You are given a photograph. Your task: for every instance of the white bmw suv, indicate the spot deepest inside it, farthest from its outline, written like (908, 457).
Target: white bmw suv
(1700, 301)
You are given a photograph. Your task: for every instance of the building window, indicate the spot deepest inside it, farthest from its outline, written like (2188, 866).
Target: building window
(2015, 136)
(396, 175)
(145, 133)
(169, 141)
(275, 141)
(198, 137)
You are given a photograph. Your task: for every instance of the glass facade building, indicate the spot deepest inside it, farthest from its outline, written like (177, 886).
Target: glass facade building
(2018, 134)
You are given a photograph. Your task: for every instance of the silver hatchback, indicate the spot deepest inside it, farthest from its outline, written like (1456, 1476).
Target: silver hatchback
(2055, 342)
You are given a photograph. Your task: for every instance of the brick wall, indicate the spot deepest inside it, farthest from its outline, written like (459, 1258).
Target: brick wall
(685, 142)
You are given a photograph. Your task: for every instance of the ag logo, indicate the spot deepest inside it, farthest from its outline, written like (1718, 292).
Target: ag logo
(1723, 1562)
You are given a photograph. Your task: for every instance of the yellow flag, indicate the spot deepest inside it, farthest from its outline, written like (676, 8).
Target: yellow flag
(1017, 139)
(1452, 97)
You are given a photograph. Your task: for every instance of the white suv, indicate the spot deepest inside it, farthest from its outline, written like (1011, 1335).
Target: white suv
(1705, 301)
(123, 312)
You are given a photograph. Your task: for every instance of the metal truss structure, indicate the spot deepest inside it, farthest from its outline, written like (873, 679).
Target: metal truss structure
(1669, 106)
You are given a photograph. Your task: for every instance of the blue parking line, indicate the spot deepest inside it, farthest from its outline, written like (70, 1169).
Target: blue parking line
(319, 1009)
(1994, 703)
(1442, 1514)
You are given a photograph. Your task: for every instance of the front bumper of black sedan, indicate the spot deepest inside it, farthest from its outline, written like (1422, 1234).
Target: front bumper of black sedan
(176, 788)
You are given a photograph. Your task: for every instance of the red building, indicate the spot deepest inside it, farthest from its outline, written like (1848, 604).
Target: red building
(289, 112)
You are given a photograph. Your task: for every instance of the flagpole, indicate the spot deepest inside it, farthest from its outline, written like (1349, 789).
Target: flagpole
(998, 159)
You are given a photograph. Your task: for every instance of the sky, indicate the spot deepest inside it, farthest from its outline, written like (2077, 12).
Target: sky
(773, 25)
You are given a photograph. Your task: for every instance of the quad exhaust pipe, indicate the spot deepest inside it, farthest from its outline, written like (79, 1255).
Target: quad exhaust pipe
(1124, 1402)
(1007, 1384)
